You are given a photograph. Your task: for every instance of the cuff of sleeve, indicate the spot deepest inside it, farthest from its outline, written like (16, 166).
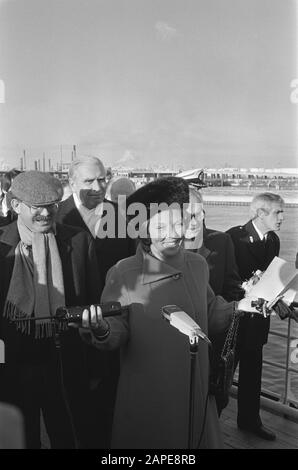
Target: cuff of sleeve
(101, 337)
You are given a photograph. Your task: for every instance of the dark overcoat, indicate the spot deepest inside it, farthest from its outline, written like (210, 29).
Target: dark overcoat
(218, 250)
(109, 250)
(83, 286)
(153, 394)
(253, 254)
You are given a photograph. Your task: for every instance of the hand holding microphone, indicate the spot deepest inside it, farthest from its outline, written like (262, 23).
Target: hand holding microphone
(184, 323)
(92, 320)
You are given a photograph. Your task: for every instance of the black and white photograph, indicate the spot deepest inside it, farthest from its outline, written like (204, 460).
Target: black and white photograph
(148, 227)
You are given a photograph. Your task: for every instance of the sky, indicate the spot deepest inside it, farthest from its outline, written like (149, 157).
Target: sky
(179, 83)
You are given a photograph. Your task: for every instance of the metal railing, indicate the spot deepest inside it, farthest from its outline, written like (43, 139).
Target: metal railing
(287, 367)
(280, 403)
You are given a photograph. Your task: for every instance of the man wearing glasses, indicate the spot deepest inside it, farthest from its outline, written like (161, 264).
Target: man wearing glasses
(88, 209)
(44, 266)
(218, 250)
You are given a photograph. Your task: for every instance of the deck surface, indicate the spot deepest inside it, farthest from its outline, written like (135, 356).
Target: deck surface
(286, 431)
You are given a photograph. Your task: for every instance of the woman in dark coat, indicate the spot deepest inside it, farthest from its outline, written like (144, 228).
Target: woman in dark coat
(153, 393)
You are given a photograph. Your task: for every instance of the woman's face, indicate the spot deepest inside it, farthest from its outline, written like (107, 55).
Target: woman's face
(166, 230)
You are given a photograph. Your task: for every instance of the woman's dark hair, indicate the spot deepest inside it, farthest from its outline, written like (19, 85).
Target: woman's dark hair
(169, 190)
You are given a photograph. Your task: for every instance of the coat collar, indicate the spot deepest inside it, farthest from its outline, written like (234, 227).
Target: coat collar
(203, 251)
(10, 234)
(76, 218)
(71, 209)
(64, 237)
(255, 244)
(252, 234)
(153, 269)
(263, 253)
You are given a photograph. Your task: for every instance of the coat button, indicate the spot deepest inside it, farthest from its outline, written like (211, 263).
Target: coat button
(177, 276)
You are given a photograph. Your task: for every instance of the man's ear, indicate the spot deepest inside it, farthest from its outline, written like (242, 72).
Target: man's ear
(71, 183)
(261, 213)
(16, 205)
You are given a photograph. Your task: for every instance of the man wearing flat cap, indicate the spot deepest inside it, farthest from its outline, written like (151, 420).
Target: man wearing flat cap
(44, 266)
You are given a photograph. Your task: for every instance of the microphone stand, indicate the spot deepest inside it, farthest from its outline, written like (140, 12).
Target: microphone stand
(193, 350)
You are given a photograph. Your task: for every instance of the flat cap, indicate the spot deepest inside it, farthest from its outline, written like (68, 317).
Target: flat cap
(36, 188)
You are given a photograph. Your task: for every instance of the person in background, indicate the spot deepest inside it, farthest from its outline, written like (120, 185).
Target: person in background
(120, 187)
(88, 209)
(66, 190)
(218, 250)
(109, 174)
(256, 244)
(44, 266)
(216, 247)
(6, 213)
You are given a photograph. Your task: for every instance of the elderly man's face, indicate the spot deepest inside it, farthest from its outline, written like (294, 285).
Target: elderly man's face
(89, 184)
(272, 217)
(37, 219)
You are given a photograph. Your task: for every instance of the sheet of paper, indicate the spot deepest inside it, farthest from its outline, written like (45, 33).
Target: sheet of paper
(291, 293)
(275, 280)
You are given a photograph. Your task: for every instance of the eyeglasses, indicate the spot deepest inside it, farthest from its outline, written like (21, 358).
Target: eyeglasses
(39, 209)
(198, 216)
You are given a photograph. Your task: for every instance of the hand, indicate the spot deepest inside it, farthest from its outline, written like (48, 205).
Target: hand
(92, 320)
(244, 305)
(284, 310)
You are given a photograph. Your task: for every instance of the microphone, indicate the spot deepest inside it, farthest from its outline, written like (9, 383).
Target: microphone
(184, 323)
(74, 314)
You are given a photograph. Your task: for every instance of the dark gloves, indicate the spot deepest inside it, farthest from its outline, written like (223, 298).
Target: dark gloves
(285, 311)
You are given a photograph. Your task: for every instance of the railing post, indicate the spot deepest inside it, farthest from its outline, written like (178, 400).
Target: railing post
(285, 398)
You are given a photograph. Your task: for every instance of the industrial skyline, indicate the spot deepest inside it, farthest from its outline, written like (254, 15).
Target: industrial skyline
(175, 82)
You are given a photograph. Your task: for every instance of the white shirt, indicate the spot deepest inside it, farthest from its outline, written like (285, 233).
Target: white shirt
(4, 206)
(91, 217)
(261, 235)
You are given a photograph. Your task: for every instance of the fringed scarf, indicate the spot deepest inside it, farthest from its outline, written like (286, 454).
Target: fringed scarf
(36, 287)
